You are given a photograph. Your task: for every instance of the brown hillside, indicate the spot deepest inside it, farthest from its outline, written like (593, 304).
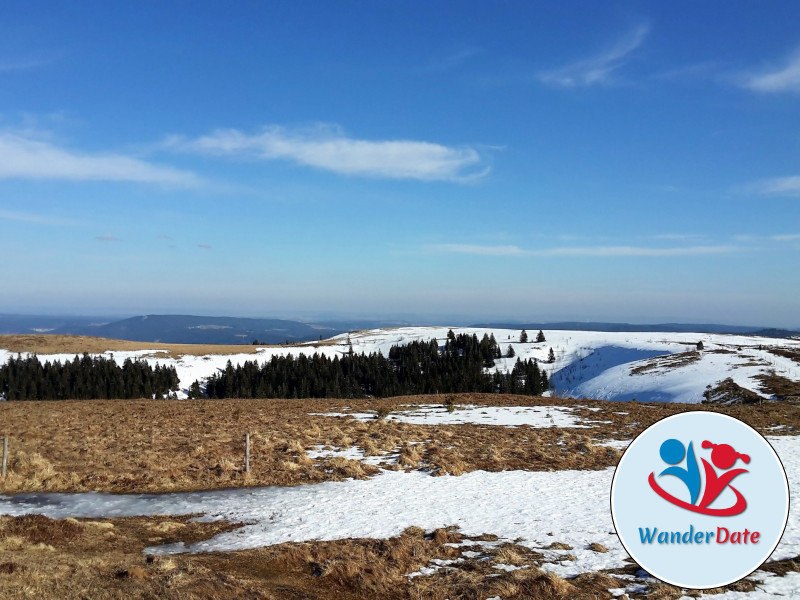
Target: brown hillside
(78, 344)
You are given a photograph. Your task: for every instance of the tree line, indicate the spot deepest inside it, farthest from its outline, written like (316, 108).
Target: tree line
(84, 378)
(463, 364)
(420, 367)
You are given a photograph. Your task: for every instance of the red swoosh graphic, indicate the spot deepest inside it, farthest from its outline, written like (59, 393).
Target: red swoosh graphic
(737, 508)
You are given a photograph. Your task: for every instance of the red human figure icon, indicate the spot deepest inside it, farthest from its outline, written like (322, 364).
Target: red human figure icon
(724, 457)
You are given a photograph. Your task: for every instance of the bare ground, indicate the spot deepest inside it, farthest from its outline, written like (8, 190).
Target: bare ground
(158, 445)
(728, 391)
(780, 387)
(78, 344)
(666, 362)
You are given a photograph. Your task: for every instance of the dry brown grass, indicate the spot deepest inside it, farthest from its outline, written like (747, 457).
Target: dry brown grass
(70, 559)
(792, 354)
(56, 559)
(780, 387)
(729, 392)
(78, 344)
(158, 445)
(665, 363)
(664, 591)
(48, 559)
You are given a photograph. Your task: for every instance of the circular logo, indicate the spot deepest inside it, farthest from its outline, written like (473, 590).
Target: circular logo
(699, 500)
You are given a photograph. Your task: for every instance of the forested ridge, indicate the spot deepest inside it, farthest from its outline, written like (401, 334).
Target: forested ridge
(463, 364)
(84, 378)
(416, 368)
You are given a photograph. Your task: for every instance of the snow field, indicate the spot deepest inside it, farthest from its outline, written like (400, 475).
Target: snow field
(587, 363)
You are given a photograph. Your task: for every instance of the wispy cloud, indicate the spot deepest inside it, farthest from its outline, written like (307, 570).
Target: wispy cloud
(204, 245)
(27, 157)
(580, 251)
(24, 217)
(675, 237)
(599, 69)
(785, 78)
(477, 249)
(634, 251)
(746, 238)
(327, 147)
(777, 186)
(448, 62)
(21, 64)
(106, 238)
(760, 239)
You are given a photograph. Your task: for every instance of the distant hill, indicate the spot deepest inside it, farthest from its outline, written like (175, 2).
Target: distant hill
(662, 327)
(189, 329)
(182, 329)
(192, 329)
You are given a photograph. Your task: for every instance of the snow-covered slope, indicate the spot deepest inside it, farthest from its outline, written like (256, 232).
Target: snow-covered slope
(605, 365)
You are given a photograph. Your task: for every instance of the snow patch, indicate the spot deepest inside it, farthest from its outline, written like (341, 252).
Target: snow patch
(503, 416)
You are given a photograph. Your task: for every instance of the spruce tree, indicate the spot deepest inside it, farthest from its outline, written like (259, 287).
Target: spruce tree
(510, 352)
(551, 357)
(540, 337)
(523, 337)
(194, 390)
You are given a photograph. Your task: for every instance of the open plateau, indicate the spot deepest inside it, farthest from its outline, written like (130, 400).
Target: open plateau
(449, 495)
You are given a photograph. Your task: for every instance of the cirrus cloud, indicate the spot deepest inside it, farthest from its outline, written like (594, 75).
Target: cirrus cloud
(38, 219)
(28, 157)
(785, 78)
(598, 69)
(776, 186)
(477, 249)
(581, 251)
(328, 148)
(634, 251)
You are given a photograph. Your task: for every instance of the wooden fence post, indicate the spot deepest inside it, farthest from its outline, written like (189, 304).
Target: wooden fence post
(247, 452)
(5, 455)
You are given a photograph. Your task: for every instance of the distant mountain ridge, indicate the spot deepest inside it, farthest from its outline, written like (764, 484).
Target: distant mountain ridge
(194, 329)
(185, 329)
(174, 329)
(190, 329)
(661, 327)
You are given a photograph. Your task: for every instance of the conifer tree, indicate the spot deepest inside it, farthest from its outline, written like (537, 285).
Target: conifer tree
(415, 368)
(84, 378)
(194, 390)
(510, 352)
(523, 337)
(540, 337)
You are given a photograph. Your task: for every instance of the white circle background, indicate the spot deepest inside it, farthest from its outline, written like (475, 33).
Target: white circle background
(635, 505)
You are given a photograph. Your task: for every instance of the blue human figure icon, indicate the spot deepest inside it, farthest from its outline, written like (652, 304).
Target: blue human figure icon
(672, 452)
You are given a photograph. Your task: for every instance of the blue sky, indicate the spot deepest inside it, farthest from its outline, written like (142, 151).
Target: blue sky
(630, 161)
